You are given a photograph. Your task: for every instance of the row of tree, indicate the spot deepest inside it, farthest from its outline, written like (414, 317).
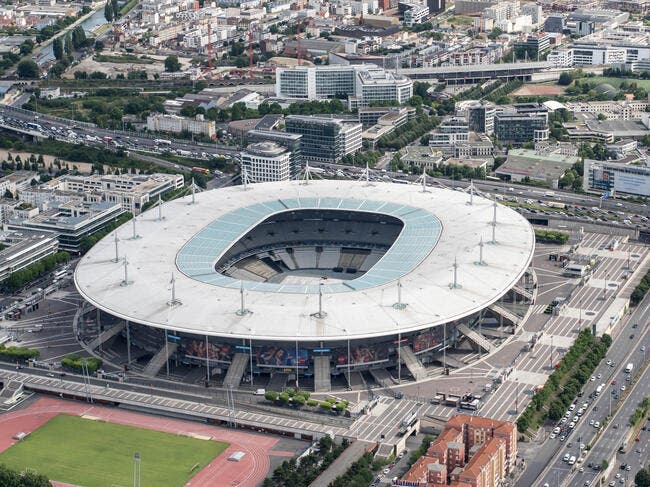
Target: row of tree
(409, 132)
(15, 478)
(20, 278)
(303, 472)
(641, 290)
(562, 386)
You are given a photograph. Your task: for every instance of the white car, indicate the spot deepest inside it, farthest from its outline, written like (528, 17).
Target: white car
(572, 407)
(582, 446)
(597, 424)
(591, 422)
(600, 376)
(567, 414)
(552, 436)
(609, 362)
(643, 348)
(572, 425)
(563, 420)
(575, 419)
(556, 430)
(593, 378)
(623, 388)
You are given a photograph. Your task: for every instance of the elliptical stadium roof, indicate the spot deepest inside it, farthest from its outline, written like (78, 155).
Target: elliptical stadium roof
(439, 227)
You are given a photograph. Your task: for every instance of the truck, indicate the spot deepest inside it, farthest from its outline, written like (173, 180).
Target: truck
(629, 367)
(599, 389)
(107, 139)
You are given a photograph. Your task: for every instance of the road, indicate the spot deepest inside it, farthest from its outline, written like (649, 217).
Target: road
(622, 351)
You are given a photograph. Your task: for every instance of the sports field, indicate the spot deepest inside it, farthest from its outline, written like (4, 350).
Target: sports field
(92, 453)
(616, 82)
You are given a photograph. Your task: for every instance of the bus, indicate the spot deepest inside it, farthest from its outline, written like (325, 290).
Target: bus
(470, 403)
(162, 142)
(34, 126)
(408, 422)
(556, 204)
(60, 274)
(201, 170)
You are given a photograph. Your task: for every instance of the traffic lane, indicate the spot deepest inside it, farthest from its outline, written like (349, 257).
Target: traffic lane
(619, 354)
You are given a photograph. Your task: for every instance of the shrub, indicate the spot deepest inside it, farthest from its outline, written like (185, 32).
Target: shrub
(271, 396)
(312, 403)
(75, 363)
(18, 353)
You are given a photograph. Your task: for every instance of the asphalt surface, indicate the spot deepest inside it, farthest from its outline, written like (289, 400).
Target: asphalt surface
(622, 351)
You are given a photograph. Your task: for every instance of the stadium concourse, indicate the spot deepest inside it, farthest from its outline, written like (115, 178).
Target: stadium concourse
(320, 284)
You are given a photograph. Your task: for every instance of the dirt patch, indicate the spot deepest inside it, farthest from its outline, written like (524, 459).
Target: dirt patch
(112, 69)
(539, 90)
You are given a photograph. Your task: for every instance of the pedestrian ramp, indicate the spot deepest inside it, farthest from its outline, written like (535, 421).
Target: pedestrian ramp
(412, 363)
(505, 313)
(11, 390)
(475, 337)
(160, 359)
(106, 335)
(382, 377)
(522, 291)
(322, 380)
(236, 370)
(278, 381)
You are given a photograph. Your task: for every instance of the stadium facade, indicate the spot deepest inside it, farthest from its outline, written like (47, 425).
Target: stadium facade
(315, 283)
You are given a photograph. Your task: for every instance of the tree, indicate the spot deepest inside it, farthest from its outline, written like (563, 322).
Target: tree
(78, 37)
(67, 44)
(28, 69)
(57, 47)
(565, 79)
(172, 65)
(26, 47)
(14, 478)
(108, 12)
(642, 478)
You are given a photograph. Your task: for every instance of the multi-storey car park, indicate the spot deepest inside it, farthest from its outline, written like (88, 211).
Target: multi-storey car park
(316, 283)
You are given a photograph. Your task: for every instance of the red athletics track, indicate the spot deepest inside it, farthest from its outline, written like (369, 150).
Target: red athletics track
(248, 472)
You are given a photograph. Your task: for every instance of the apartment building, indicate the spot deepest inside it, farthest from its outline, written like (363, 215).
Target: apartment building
(470, 451)
(266, 161)
(174, 124)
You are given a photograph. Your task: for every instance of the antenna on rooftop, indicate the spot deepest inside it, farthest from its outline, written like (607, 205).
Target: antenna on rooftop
(174, 301)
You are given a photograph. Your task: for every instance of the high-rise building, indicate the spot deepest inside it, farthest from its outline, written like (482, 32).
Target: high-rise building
(359, 84)
(266, 161)
(436, 6)
(524, 122)
(325, 139)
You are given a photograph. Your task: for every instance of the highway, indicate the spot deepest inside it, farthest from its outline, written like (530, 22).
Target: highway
(622, 351)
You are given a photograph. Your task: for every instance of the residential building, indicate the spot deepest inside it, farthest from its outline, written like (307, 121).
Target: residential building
(452, 131)
(360, 84)
(396, 116)
(174, 124)
(464, 7)
(535, 12)
(325, 139)
(71, 222)
(266, 162)
(641, 7)
(535, 44)
(292, 142)
(24, 248)
(16, 181)
(611, 176)
(471, 451)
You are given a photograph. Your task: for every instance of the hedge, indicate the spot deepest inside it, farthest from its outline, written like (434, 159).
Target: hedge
(90, 240)
(75, 362)
(18, 353)
(551, 236)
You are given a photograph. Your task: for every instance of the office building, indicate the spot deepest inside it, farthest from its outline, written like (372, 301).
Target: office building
(174, 124)
(480, 117)
(360, 84)
(325, 139)
(470, 451)
(524, 122)
(265, 162)
(555, 23)
(452, 131)
(291, 142)
(465, 7)
(436, 6)
(535, 44)
(71, 222)
(413, 13)
(616, 177)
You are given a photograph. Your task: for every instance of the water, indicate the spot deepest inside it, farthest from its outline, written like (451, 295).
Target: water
(47, 54)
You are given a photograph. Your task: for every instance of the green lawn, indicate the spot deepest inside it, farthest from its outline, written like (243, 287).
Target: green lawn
(98, 454)
(616, 82)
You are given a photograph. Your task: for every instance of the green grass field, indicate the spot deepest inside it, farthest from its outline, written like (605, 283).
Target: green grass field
(98, 454)
(616, 82)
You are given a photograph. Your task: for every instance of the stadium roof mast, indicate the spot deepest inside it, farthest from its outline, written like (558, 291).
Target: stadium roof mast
(494, 223)
(126, 281)
(320, 314)
(423, 180)
(193, 192)
(480, 253)
(174, 301)
(242, 311)
(366, 175)
(455, 284)
(306, 177)
(117, 255)
(245, 178)
(399, 304)
(160, 203)
(471, 193)
(135, 233)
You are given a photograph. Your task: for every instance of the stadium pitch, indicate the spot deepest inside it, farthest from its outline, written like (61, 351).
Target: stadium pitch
(92, 453)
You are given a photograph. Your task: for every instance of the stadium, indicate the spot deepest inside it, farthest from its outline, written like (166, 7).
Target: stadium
(326, 284)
